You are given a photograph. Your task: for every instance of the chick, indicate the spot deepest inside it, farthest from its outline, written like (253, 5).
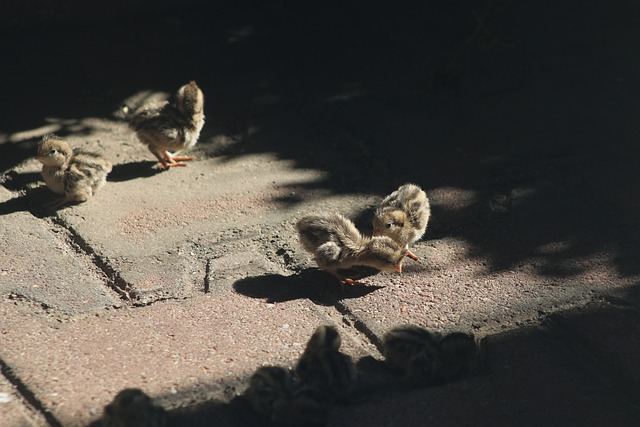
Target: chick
(323, 338)
(458, 354)
(336, 243)
(306, 406)
(324, 367)
(426, 358)
(76, 174)
(171, 126)
(403, 215)
(268, 387)
(133, 408)
(411, 350)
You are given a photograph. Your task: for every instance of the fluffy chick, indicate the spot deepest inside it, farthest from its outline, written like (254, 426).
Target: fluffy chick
(76, 174)
(269, 386)
(335, 243)
(324, 367)
(171, 126)
(427, 358)
(411, 350)
(325, 337)
(133, 408)
(403, 215)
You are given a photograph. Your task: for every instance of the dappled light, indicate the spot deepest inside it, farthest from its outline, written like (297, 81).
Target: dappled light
(518, 121)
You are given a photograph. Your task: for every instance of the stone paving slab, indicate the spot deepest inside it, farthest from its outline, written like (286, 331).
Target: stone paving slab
(608, 333)
(14, 411)
(39, 263)
(530, 381)
(183, 352)
(448, 290)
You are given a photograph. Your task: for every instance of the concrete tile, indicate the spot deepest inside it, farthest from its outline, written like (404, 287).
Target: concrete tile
(39, 263)
(604, 331)
(14, 411)
(446, 290)
(530, 382)
(179, 352)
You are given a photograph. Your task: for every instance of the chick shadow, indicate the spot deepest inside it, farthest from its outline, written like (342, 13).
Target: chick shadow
(128, 171)
(313, 284)
(16, 204)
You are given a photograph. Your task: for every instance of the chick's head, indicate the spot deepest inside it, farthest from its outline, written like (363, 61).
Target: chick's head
(53, 151)
(389, 222)
(189, 99)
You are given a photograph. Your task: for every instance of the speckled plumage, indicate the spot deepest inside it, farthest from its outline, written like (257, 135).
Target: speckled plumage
(403, 215)
(335, 243)
(425, 358)
(75, 174)
(171, 126)
(324, 367)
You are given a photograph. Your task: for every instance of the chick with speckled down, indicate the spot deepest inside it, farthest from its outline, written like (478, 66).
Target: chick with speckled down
(324, 367)
(403, 215)
(335, 243)
(172, 126)
(425, 358)
(268, 386)
(75, 174)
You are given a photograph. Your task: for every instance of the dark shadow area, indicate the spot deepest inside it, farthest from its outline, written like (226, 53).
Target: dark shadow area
(133, 170)
(312, 284)
(579, 365)
(530, 115)
(16, 204)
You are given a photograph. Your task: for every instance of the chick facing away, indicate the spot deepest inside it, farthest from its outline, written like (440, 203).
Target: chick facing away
(133, 408)
(403, 215)
(75, 174)
(324, 367)
(335, 243)
(172, 126)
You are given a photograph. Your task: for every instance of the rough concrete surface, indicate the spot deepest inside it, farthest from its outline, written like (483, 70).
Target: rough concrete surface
(518, 120)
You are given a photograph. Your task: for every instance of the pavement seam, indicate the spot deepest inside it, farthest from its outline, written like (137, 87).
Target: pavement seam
(27, 394)
(113, 278)
(358, 325)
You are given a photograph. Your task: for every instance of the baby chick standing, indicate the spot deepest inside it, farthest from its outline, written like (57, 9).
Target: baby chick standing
(403, 215)
(171, 126)
(76, 174)
(336, 243)
(324, 367)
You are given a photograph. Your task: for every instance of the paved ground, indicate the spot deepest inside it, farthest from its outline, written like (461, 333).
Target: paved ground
(520, 123)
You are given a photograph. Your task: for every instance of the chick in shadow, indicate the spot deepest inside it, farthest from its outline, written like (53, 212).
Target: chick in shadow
(313, 284)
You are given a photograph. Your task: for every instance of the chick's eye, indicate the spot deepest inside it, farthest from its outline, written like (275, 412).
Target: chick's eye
(389, 225)
(53, 151)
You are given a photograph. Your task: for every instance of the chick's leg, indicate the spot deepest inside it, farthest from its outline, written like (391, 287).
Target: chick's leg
(171, 159)
(345, 280)
(411, 254)
(162, 164)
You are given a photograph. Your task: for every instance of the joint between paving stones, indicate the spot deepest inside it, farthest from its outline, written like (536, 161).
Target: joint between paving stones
(113, 278)
(359, 326)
